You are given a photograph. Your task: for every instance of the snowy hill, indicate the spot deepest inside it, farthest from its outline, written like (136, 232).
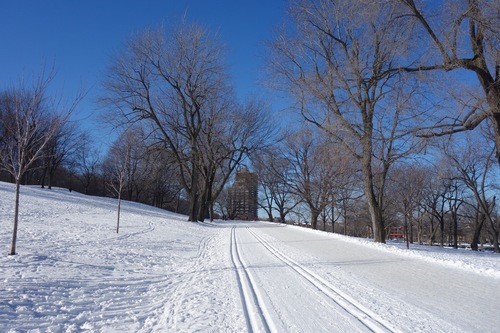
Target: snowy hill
(74, 273)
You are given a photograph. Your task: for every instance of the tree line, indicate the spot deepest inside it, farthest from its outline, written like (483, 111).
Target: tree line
(380, 77)
(446, 198)
(385, 91)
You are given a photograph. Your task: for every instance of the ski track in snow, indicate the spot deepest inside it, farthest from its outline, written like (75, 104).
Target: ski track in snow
(366, 317)
(256, 315)
(74, 273)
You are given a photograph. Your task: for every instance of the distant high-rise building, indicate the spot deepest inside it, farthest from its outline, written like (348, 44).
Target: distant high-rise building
(242, 196)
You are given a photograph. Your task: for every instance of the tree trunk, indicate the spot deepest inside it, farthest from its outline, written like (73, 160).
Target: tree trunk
(377, 220)
(314, 218)
(212, 213)
(42, 180)
(194, 197)
(118, 215)
(496, 246)
(282, 216)
(50, 176)
(269, 214)
(203, 210)
(16, 219)
(194, 206)
(410, 223)
(441, 225)
(477, 232)
(419, 233)
(374, 208)
(407, 233)
(344, 208)
(432, 232)
(455, 229)
(206, 202)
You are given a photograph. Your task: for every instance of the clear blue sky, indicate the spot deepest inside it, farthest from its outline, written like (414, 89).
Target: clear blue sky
(80, 36)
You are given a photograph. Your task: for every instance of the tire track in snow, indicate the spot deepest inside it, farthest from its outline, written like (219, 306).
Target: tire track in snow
(256, 315)
(365, 316)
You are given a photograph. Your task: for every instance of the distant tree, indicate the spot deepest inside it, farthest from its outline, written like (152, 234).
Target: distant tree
(29, 120)
(274, 171)
(58, 151)
(86, 164)
(221, 205)
(312, 172)
(161, 182)
(455, 201)
(435, 206)
(476, 220)
(267, 183)
(347, 184)
(134, 145)
(474, 170)
(411, 184)
(493, 227)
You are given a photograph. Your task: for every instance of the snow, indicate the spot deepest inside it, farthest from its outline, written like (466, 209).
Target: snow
(484, 263)
(74, 273)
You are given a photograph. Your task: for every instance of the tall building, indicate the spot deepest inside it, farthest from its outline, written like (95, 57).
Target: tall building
(242, 196)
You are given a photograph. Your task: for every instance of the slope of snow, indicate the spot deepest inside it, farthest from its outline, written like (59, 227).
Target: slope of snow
(74, 273)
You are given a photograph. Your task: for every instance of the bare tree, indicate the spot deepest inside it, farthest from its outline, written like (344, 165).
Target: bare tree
(59, 151)
(473, 168)
(339, 64)
(119, 167)
(493, 227)
(313, 172)
(267, 182)
(411, 184)
(458, 35)
(455, 201)
(29, 121)
(87, 164)
(346, 184)
(274, 171)
(176, 83)
(230, 136)
(161, 182)
(475, 219)
(435, 206)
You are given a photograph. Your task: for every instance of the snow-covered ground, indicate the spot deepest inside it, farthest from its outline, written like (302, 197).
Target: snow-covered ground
(74, 273)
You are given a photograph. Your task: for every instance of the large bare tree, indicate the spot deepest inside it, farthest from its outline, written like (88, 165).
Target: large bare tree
(29, 120)
(454, 35)
(338, 62)
(175, 82)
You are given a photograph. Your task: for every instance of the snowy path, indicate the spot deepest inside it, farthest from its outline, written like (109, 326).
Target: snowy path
(73, 273)
(308, 279)
(286, 288)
